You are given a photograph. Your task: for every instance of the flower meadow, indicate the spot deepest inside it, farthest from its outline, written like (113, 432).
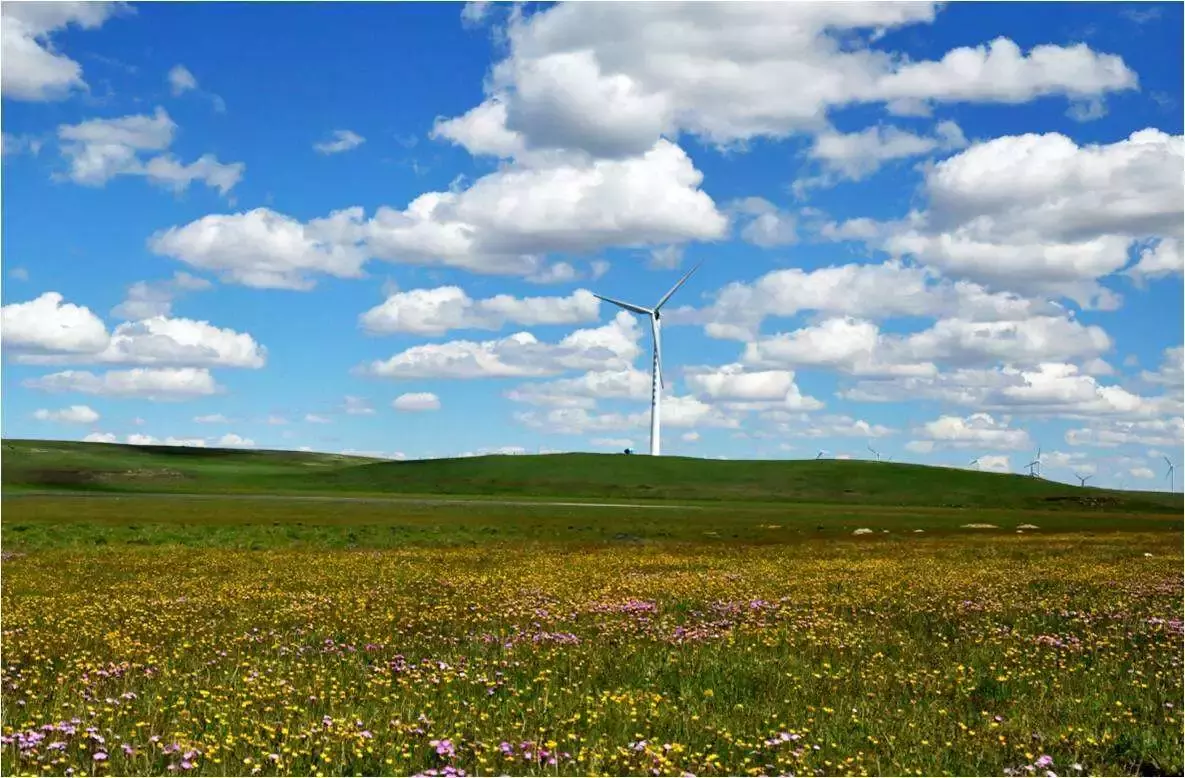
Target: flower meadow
(964, 654)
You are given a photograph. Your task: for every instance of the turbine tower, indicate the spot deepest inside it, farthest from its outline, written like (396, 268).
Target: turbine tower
(656, 379)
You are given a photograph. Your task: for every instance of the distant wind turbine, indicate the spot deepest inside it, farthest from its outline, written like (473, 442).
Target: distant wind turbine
(657, 384)
(1082, 479)
(1169, 474)
(821, 453)
(1035, 466)
(876, 453)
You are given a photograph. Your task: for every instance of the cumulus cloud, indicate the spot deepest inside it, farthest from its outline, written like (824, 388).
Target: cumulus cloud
(157, 384)
(163, 341)
(609, 81)
(857, 155)
(416, 401)
(97, 150)
(342, 140)
(857, 290)
(615, 345)
(265, 249)
(505, 223)
(585, 390)
(357, 406)
(975, 431)
(436, 311)
(1038, 213)
(763, 224)
(47, 324)
(181, 80)
(75, 414)
(1049, 389)
(1149, 432)
(33, 69)
(733, 382)
(146, 299)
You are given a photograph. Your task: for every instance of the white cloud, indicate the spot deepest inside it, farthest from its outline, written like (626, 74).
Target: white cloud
(611, 80)
(181, 80)
(845, 344)
(995, 463)
(101, 437)
(857, 155)
(436, 311)
(33, 69)
(1157, 260)
(357, 406)
(734, 383)
(584, 391)
(621, 443)
(764, 224)
(19, 144)
(689, 437)
(157, 384)
(163, 341)
(343, 140)
(416, 401)
(137, 439)
(1049, 389)
(231, 440)
(612, 346)
(75, 414)
(213, 418)
(677, 411)
(975, 431)
(1150, 432)
(856, 290)
(507, 220)
(1038, 213)
(276, 420)
(859, 347)
(265, 249)
(1141, 472)
(505, 223)
(146, 299)
(827, 426)
(100, 149)
(313, 418)
(47, 324)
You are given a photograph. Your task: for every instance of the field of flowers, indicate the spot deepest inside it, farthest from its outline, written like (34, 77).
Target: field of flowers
(984, 653)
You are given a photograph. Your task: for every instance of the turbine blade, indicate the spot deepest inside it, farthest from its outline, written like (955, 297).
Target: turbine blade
(627, 306)
(1167, 462)
(675, 288)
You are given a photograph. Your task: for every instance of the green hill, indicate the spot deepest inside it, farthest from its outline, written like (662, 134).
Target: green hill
(59, 465)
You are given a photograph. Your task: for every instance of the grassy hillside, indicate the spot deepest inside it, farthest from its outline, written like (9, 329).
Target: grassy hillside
(56, 465)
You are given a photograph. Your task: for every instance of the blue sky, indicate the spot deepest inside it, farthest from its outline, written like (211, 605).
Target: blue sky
(945, 232)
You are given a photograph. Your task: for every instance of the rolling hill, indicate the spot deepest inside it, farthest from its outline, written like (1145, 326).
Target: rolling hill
(61, 465)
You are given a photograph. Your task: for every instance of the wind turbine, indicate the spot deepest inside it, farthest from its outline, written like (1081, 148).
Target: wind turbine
(975, 462)
(1082, 479)
(821, 453)
(1035, 466)
(875, 453)
(657, 384)
(1169, 474)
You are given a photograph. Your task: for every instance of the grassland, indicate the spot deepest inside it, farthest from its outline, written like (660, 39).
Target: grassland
(163, 633)
(42, 465)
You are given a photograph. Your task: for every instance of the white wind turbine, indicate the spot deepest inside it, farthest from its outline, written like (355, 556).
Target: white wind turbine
(1169, 474)
(656, 379)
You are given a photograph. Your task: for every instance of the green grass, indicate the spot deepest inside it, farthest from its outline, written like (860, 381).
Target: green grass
(34, 465)
(216, 602)
(38, 522)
